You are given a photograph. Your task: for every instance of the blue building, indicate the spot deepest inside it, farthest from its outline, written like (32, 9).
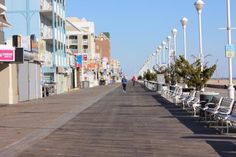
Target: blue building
(45, 19)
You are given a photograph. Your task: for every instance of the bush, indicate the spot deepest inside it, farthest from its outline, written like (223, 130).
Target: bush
(150, 76)
(140, 77)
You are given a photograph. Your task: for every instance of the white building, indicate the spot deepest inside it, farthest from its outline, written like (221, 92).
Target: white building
(81, 41)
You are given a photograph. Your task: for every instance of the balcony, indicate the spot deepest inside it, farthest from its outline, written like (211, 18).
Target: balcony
(46, 5)
(73, 41)
(46, 32)
(2, 6)
(85, 42)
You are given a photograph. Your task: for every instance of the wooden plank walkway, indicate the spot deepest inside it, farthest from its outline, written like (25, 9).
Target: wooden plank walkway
(138, 123)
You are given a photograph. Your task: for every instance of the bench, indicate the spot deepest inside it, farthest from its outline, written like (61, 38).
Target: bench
(222, 112)
(223, 108)
(213, 105)
(231, 118)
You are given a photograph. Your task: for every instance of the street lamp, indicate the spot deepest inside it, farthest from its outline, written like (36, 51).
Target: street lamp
(199, 6)
(169, 49)
(184, 22)
(163, 44)
(174, 33)
(154, 55)
(231, 86)
(159, 50)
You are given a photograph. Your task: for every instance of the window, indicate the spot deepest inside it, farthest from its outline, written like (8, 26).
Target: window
(85, 36)
(85, 46)
(74, 47)
(72, 37)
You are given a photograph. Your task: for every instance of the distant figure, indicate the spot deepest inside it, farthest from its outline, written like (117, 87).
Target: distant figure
(133, 80)
(124, 83)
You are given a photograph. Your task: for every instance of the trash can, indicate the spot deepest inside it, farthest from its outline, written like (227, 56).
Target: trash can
(187, 90)
(85, 84)
(159, 87)
(172, 87)
(102, 82)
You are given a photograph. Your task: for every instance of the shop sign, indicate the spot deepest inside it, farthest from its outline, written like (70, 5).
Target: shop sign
(7, 53)
(79, 61)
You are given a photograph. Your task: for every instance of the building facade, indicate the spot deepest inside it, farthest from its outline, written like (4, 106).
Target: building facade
(46, 20)
(81, 41)
(103, 50)
(103, 45)
(8, 72)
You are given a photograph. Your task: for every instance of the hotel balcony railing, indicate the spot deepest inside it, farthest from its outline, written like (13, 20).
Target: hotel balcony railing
(46, 32)
(46, 5)
(73, 41)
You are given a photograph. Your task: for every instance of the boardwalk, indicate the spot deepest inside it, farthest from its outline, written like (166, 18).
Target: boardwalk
(138, 123)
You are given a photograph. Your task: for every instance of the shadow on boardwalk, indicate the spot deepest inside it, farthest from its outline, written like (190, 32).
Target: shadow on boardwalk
(224, 145)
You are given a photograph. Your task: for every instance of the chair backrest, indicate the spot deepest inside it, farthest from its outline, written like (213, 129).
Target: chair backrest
(216, 99)
(226, 106)
(197, 96)
(175, 91)
(192, 93)
(179, 92)
(177, 88)
(234, 109)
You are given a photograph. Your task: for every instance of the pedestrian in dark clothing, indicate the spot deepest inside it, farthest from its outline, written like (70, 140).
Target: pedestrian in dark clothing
(124, 83)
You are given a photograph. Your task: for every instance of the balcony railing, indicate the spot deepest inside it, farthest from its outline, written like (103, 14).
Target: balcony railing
(2, 2)
(73, 41)
(46, 5)
(85, 42)
(46, 32)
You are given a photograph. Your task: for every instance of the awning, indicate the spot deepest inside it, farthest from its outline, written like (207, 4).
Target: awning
(3, 21)
(91, 66)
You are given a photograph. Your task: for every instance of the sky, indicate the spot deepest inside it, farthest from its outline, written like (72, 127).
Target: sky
(138, 27)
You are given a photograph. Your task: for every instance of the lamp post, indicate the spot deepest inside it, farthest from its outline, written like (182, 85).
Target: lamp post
(199, 6)
(157, 54)
(154, 55)
(163, 44)
(159, 48)
(231, 86)
(169, 49)
(174, 33)
(184, 22)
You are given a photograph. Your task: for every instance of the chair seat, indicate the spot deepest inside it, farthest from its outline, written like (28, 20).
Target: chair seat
(212, 110)
(231, 118)
(222, 116)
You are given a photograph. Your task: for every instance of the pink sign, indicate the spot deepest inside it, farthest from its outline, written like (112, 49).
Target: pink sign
(7, 55)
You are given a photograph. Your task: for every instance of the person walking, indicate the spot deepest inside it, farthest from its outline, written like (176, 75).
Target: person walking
(133, 80)
(124, 83)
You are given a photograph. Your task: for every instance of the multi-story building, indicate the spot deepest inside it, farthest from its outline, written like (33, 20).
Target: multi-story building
(115, 70)
(3, 20)
(45, 19)
(8, 93)
(103, 50)
(81, 41)
(103, 45)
